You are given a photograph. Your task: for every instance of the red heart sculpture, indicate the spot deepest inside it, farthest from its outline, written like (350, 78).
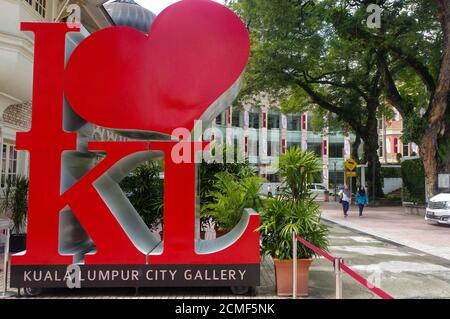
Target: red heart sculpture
(123, 79)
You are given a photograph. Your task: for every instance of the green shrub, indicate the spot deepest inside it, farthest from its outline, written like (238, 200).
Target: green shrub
(282, 218)
(391, 172)
(393, 197)
(231, 196)
(145, 190)
(294, 210)
(298, 170)
(208, 172)
(413, 176)
(15, 202)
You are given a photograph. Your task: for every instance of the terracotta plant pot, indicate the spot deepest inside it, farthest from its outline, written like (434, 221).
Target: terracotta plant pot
(283, 274)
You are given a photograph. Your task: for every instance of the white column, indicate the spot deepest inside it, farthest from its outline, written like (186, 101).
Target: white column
(347, 147)
(263, 140)
(326, 156)
(246, 133)
(229, 130)
(283, 135)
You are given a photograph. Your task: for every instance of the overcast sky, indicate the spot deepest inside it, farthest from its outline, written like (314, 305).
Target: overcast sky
(156, 6)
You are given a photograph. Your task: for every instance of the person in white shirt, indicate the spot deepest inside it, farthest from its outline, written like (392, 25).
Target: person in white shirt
(345, 199)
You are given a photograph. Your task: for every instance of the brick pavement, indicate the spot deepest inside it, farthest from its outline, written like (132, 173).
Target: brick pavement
(393, 224)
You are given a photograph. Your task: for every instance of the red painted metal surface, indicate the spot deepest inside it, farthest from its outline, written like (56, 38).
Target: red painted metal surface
(195, 50)
(45, 142)
(123, 79)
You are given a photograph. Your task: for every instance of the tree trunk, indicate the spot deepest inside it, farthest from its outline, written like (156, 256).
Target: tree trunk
(427, 150)
(374, 165)
(438, 106)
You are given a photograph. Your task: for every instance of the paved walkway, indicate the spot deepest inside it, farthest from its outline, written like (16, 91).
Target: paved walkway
(401, 271)
(393, 224)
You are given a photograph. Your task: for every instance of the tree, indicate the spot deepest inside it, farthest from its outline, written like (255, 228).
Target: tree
(413, 50)
(297, 52)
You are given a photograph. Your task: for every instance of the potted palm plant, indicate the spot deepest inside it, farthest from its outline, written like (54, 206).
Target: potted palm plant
(15, 206)
(230, 197)
(293, 211)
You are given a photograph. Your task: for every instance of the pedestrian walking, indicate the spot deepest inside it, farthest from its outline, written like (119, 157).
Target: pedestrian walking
(345, 199)
(361, 199)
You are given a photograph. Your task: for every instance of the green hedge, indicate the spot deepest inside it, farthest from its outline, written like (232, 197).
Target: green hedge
(413, 176)
(391, 172)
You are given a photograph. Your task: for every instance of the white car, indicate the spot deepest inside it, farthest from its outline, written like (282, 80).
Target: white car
(438, 209)
(318, 189)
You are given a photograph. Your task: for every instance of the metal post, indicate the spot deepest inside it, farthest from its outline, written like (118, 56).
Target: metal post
(5, 293)
(335, 183)
(294, 266)
(363, 175)
(338, 272)
(374, 192)
(351, 191)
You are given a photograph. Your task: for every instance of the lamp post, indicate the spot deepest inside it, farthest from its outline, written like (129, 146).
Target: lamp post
(335, 183)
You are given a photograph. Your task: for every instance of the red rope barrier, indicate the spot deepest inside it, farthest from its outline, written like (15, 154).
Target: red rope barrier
(380, 293)
(315, 249)
(348, 270)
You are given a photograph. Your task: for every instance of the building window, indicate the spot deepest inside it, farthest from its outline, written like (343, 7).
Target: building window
(253, 120)
(405, 149)
(336, 150)
(395, 145)
(30, 2)
(274, 121)
(316, 148)
(9, 163)
(380, 148)
(235, 118)
(294, 122)
(219, 119)
(40, 7)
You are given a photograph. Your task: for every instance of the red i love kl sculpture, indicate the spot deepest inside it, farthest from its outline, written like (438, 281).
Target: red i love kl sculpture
(82, 230)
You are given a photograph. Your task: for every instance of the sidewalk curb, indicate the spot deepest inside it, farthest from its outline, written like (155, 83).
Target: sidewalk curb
(383, 237)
